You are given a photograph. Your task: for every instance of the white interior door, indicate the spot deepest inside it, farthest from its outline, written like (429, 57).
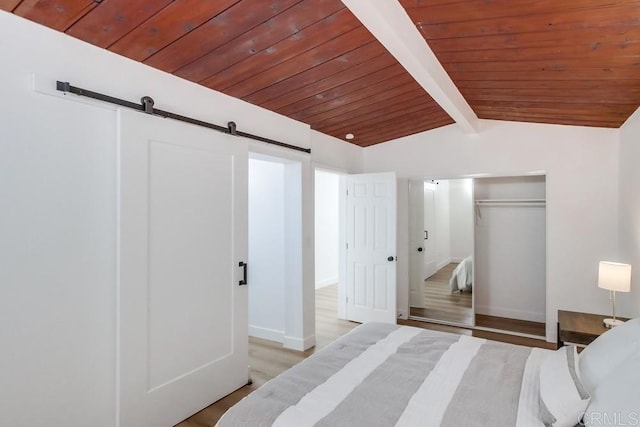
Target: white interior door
(183, 231)
(416, 243)
(430, 262)
(371, 247)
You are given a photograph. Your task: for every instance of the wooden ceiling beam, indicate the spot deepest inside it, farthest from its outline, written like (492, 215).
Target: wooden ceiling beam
(112, 19)
(389, 104)
(325, 36)
(253, 41)
(378, 138)
(350, 67)
(579, 54)
(618, 85)
(566, 95)
(619, 16)
(59, 15)
(373, 123)
(405, 128)
(166, 26)
(548, 120)
(381, 98)
(9, 5)
(367, 93)
(602, 74)
(239, 19)
(390, 24)
(545, 66)
(354, 86)
(542, 38)
(365, 116)
(327, 52)
(478, 9)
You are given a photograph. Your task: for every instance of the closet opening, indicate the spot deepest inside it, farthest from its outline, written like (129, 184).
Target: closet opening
(511, 254)
(478, 253)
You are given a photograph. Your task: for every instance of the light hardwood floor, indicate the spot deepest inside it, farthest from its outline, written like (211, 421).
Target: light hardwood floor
(269, 359)
(440, 303)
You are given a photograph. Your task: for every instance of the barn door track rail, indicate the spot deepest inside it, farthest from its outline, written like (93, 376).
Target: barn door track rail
(146, 106)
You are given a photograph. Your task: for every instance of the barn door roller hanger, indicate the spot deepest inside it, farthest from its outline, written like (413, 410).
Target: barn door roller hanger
(146, 106)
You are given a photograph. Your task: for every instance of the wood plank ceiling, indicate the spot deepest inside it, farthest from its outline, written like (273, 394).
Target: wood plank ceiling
(548, 61)
(310, 60)
(567, 62)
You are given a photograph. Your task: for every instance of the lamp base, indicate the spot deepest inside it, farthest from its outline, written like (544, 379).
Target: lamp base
(610, 323)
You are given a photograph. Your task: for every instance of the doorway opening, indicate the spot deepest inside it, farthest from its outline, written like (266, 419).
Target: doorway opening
(329, 242)
(275, 248)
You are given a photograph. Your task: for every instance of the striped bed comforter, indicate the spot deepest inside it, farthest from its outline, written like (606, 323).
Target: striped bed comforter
(389, 375)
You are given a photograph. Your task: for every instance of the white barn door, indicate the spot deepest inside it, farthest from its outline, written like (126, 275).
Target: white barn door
(183, 231)
(371, 247)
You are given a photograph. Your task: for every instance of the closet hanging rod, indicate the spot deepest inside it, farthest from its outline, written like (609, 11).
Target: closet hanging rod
(511, 202)
(146, 106)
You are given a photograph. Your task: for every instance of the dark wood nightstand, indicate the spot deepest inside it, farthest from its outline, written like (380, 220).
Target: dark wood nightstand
(580, 328)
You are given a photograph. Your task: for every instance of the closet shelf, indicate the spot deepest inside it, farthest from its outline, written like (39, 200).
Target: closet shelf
(511, 202)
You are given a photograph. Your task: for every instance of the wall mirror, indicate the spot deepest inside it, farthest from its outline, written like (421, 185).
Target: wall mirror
(441, 239)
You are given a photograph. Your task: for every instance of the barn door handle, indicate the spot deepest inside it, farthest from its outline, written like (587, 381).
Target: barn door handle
(244, 273)
(420, 249)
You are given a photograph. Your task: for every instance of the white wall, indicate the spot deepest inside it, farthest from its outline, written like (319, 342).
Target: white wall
(510, 250)
(266, 250)
(334, 154)
(327, 216)
(582, 199)
(629, 304)
(58, 222)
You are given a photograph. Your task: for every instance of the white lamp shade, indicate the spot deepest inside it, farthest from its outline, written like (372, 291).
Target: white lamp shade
(614, 276)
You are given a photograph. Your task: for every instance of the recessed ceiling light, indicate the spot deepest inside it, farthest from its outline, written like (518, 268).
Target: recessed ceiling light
(349, 136)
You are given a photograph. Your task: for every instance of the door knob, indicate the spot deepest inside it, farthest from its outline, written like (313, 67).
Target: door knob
(390, 258)
(420, 249)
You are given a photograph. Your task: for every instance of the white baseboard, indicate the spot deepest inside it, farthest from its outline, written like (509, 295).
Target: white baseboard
(266, 334)
(449, 261)
(300, 344)
(443, 263)
(327, 282)
(509, 313)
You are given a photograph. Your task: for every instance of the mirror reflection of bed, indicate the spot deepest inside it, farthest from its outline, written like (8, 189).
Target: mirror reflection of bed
(443, 299)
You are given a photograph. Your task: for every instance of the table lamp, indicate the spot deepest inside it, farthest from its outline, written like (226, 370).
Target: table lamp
(614, 277)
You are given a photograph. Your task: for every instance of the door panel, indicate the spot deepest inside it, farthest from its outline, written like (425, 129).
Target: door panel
(371, 241)
(182, 315)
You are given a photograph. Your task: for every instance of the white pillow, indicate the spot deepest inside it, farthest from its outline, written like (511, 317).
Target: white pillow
(608, 350)
(563, 397)
(616, 401)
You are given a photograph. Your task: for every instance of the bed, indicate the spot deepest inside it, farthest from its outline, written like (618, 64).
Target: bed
(462, 276)
(390, 375)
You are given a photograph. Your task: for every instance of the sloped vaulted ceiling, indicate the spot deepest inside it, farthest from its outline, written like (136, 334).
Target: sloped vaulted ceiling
(566, 62)
(547, 61)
